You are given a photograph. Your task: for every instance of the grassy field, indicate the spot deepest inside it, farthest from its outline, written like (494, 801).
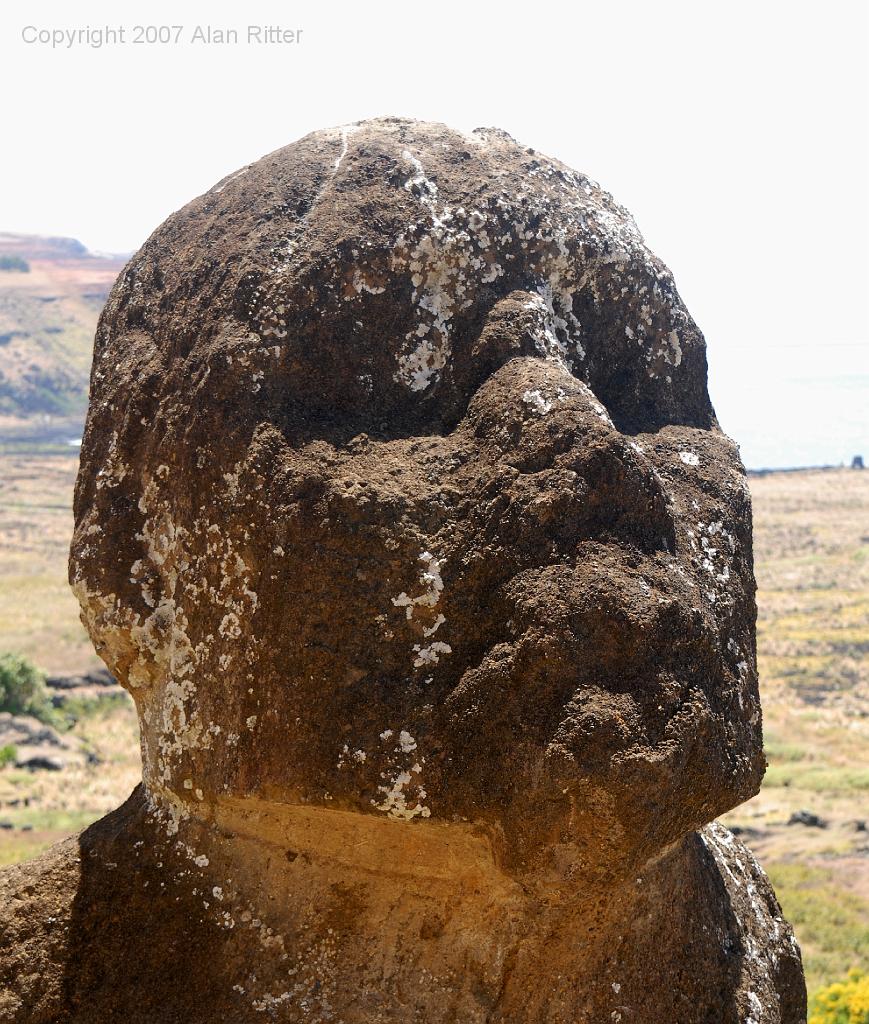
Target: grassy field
(38, 614)
(812, 564)
(812, 567)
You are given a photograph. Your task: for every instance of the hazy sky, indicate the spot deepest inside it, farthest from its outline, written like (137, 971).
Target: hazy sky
(736, 133)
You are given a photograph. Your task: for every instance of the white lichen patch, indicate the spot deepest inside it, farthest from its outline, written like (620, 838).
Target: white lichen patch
(403, 792)
(542, 402)
(114, 470)
(714, 548)
(546, 340)
(362, 284)
(167, 808)
(395, 800)
(179, 571)
(535, 400)
(430, 655)
(350, 757)
(435, 626)
(230, 626)
(406, 742)
(432, 586)
(690, 458)
(434, 261)
(563, 236)
(557, 298)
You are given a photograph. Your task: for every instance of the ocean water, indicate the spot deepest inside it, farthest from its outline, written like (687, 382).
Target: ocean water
(793, 405)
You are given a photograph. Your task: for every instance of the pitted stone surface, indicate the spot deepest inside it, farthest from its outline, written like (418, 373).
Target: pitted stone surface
(405, 517)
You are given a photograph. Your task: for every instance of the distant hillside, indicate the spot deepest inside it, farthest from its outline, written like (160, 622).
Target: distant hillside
(51, 293)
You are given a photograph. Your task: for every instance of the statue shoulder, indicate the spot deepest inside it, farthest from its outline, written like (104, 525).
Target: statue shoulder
(37, 905)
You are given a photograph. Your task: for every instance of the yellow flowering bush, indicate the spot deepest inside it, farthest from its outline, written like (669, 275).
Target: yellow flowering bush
(843, 1002)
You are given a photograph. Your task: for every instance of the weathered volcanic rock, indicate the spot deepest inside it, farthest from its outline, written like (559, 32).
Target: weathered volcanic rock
(37, 745)
(405, 518)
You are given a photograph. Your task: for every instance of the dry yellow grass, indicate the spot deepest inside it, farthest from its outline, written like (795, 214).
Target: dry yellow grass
(38, 614)
(812, 567)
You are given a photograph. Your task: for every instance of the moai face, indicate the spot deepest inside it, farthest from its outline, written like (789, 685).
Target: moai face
(401, 493)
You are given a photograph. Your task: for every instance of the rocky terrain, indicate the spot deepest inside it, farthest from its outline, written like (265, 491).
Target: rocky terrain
(405, 519)
(87, 763)
(37, 746)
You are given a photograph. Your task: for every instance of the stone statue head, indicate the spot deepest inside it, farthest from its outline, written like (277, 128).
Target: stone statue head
(401, 493)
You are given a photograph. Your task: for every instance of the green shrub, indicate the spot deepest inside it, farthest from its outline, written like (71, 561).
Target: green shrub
(8, 755)
(22, 689)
